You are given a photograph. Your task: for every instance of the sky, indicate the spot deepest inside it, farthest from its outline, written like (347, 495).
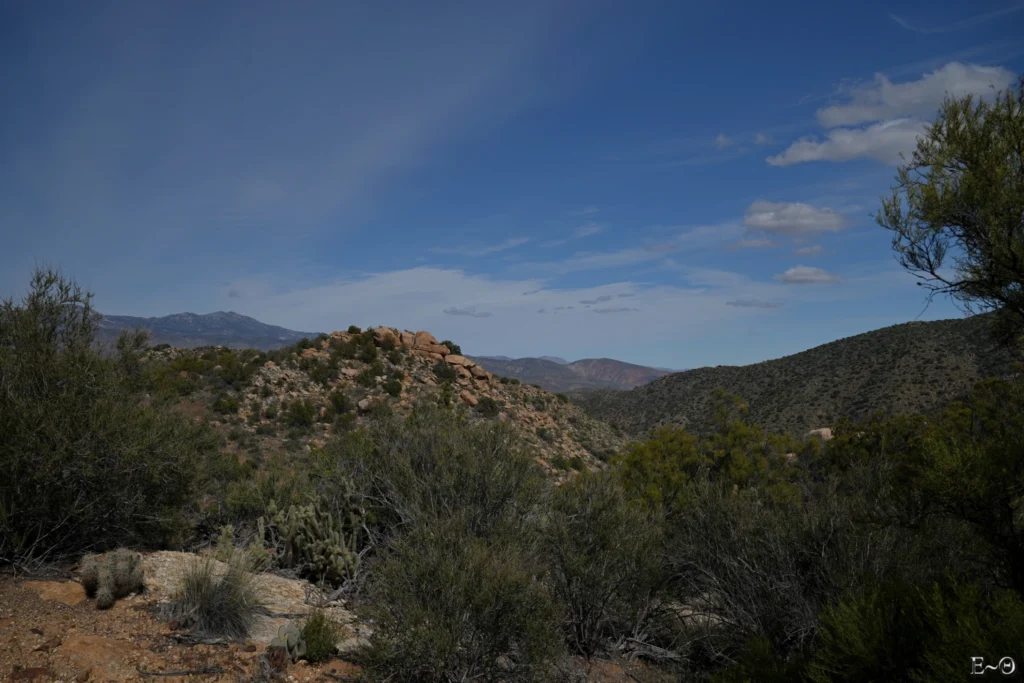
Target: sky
(675, 184)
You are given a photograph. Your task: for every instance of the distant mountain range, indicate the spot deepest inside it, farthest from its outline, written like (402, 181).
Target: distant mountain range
(189, 330)
(559, 375)
(911, 368)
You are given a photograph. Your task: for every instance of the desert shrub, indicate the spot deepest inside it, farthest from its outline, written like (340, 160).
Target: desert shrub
(393, 387)
(394, 357)
(487, 407)
(452, 347)
(354, 329)
(320, 633)
(603, 559)
(546, 434)
(339, 402)
(301, 413)
(214, 602)
(451, 606)
(509, 380)
(435, 464)
(562, 397)
(444, 372)
(226, 404)
(270, 412)
(345, 423)
(87, 464)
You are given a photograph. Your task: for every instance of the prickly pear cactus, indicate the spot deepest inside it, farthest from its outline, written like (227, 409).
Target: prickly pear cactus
(322, 545)
(289, 638)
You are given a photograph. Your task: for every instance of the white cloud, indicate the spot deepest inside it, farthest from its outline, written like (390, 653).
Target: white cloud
(806, 275)
(897, 114)
(753, 244)
(722, 141)
(791, 219)
(883, 100)
(620, 309)
(883, 142)
(588, 229)
(961, 24)
(762, 139)
(813, 250)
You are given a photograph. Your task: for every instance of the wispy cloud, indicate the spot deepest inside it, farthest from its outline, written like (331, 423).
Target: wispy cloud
(586, 230)
(762, 139)
(753, 303)
(806, 275)
(620, 309)
(485, 250)
(813, 250)
(722, 141)
(468, 311)
(962, 24)
(598, 300)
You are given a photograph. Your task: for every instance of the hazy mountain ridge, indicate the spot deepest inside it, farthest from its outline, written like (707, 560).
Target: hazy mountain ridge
(189, 330)
(588, 373)
(910, 368)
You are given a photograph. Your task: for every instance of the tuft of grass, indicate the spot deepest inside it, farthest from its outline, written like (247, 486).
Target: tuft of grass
(321, 636)
(212, 603)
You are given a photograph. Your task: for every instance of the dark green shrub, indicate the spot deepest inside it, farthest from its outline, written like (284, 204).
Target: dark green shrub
(393, 387)
(320, 633)
(562, 397)
(449, 606)
(226, 404)
(395, 357)
(487, 407)
(546, 434)
(354, 329)
(76, 435)
(452, 347)
(367, 377)
(301, 413)
(444, 372)
(345, 423)
(604, 561)
(270, 412)
(509, 380)
(266, 429)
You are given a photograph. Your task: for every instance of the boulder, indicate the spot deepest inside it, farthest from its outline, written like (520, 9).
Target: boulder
(467, 396)
(455, 359)
(364, 405)
(424, 339)
(823, 433)
(435, 356)
(408, 339)
(350, 372)
(382, 334)
(435, 348)
(478, 372)
(463, 372)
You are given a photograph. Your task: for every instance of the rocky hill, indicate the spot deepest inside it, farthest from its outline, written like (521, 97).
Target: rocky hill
(296, 397)
(557, 375)
(914, 367)
(189, 330)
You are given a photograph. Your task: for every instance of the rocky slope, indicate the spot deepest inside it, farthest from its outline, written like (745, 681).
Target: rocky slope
(559, 376)
(188, 330)
(298, 396)
(909, 368)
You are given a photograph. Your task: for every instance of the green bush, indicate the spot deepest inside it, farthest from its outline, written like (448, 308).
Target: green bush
(452, 347)
(87, 463)
(226, 404)
(444, 372)
(320, 634)
(393, 387)
(604, 561)
(487, 407)
(301, 413)
(448, 606)
(354, 329)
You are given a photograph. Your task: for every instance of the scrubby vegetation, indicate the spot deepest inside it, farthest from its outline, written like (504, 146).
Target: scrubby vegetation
(112, 576)
(213, 602)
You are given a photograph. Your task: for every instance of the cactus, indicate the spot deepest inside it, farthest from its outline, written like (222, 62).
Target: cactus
(112, 576)
(290, 639)
(322, 545)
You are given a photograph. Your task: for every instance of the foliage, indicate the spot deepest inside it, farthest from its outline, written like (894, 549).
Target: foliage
(320, 633)
(959, 201)
(290, 639)
(86, 462)
(449, 605)
(604, 564)
(211, 602)
(444, 372)
(393, 387)
(487, 407)
(301, 413)
(452, 347)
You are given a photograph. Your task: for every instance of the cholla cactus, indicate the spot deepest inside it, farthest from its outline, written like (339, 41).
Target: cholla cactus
(290, 639)
(112, 576)
(321, 544)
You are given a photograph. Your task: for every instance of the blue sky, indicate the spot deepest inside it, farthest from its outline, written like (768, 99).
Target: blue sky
(668, 183)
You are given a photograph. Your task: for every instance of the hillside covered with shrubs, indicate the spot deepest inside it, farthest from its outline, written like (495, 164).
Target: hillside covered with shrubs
(905, 369)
